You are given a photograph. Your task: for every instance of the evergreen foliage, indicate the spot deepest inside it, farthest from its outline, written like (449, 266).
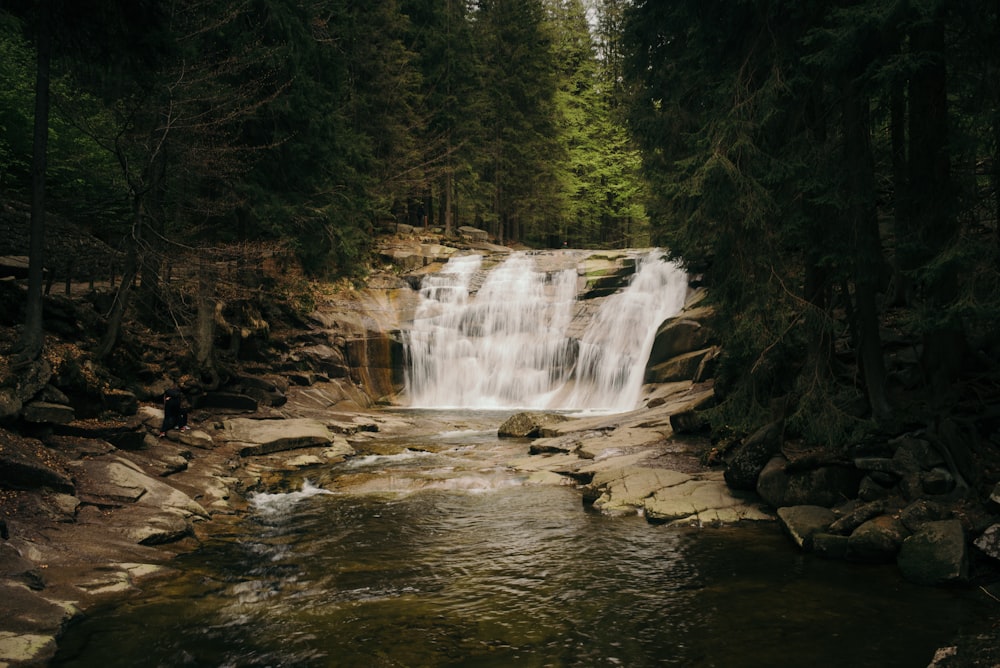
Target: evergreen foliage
(817, 163)
(831, 170)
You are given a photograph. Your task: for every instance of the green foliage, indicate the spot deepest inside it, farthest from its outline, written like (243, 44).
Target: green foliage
(81, 176)
(777, 137)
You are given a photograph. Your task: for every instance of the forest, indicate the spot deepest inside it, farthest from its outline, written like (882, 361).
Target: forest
(829, 170)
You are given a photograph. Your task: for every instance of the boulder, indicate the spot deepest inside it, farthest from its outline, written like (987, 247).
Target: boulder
(473, 234)
(116, 481)
(921, 512)
(10, 403)
(989, 542)
(689, 420)
(684, 333)
(856, 516)
(751, 456)
(913, 453)
(937, 481)
(45, 412)
(821, 486)
(682, 367)
(829, 546)
(803, 522)
(871, 490)
(529, 425)
(877, 540)
(995, 495)
(26, 464)
(935, 554)
(147, 526)
(265, 436)
(122, 402)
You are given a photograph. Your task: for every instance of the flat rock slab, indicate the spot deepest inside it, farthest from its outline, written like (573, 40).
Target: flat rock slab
(120, 480)
(265, 436)
(618, 441)
(803, 522)
(625, 490)
(706, 499)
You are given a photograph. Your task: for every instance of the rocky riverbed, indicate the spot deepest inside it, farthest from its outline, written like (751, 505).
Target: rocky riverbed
(129, 511)
(110, 518)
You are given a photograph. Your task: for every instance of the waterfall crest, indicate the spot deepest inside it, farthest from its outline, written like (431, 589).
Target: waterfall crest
(518, 336)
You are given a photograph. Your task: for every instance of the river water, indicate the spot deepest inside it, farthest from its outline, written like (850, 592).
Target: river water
(426, 550)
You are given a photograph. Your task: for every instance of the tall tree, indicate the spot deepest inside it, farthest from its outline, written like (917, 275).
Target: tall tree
(518, 124)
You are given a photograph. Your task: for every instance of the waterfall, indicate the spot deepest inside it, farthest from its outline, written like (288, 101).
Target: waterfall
(517, 336)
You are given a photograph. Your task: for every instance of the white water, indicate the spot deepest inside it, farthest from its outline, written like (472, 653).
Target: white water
(516, 342)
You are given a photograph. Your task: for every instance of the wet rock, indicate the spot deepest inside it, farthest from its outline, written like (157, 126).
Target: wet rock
(625, 490)
(884, 465)
(877, 540)
(829, 546)
(935, 554)
(529, 425)
(687, 332)
(562, 444)
(605, 274)
(320, 399)
(803, 522)
(706, 500)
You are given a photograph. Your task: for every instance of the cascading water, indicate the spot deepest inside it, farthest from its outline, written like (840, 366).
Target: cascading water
(511, 343)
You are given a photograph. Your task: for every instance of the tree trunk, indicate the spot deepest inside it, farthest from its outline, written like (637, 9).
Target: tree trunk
(860, 193)
(205, 332)
(931, 200)
(446, 203)
(32, 337)
(897, 130)
(131, 270)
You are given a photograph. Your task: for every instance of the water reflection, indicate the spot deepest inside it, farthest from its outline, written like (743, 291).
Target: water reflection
(513, 574)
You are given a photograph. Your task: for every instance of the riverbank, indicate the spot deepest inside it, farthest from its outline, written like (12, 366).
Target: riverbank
(135, 510)
(130, 511)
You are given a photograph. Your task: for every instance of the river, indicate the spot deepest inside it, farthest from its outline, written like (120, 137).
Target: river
(426, 550)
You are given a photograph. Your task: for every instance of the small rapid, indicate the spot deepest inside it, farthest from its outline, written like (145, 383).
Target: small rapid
(518, 335)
